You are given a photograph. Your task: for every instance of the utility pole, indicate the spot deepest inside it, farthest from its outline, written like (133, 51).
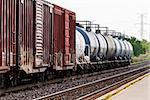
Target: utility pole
(149, 34)
(142, 23)
(149, 37)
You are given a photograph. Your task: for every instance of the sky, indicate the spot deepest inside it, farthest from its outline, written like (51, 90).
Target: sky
(120, 15)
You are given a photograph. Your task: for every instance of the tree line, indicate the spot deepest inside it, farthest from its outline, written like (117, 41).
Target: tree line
(140, 47)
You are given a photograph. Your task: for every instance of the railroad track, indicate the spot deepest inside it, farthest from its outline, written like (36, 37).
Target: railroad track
(102, 86)
(98, 93)
(58, 80)
(12, 93)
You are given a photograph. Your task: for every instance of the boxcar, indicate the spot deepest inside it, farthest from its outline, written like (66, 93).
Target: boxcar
(37, 35)
(64, 38)
(35, 38)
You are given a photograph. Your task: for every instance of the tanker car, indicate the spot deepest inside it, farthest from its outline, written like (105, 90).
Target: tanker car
(101, 50)
(38, 39)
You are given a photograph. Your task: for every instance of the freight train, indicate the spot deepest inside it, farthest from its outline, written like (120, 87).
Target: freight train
(38, 39)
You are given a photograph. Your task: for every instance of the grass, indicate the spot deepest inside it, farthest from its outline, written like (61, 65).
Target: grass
(142, 57)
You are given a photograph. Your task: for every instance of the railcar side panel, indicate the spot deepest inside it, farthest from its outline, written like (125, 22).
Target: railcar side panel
(0, 34)
(67, 38)
(58, 37)
(36, 35)
(72, 32)
(47, 36)
(64, 38)
(7, 34)
(27, 34)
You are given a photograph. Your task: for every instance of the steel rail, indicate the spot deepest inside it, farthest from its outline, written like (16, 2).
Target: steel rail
(74, 77)
(109, 88)
(68, 92)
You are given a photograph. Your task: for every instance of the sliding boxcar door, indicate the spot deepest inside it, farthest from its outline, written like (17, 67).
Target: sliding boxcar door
(47, 36)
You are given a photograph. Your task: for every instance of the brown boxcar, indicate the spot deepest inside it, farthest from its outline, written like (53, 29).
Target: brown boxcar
(45, 36)
(64, 38)
(35, 35)
(7, 34)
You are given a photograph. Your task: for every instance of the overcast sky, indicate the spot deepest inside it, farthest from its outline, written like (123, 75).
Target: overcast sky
(120, 15)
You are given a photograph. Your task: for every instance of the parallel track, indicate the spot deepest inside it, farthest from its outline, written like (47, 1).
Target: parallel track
(103, 85)
(109, 88)
(104, 74)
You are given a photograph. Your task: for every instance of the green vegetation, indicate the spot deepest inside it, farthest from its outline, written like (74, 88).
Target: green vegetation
(140, 47)
(141, 57)
(141, 50)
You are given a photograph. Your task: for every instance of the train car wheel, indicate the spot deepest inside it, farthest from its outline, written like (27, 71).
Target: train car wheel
(69, 73)
(80, 69)
(2, 81)
(13, 79)
(42, 77)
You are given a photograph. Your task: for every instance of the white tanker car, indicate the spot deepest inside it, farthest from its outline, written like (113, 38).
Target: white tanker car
(96, 48)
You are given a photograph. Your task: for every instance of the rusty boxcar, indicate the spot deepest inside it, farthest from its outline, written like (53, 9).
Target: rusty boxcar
(45, 36)
(64, 38)
(36, 22)
(35, 35)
